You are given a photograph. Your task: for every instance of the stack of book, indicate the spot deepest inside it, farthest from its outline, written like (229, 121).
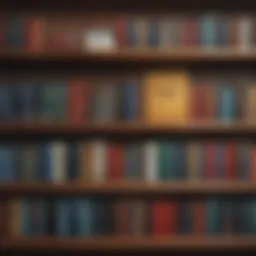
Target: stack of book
(207, 30)
(151, 161)
(89, 216)
(80, 101)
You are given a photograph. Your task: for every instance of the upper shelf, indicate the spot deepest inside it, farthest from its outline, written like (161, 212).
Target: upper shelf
(136, 55)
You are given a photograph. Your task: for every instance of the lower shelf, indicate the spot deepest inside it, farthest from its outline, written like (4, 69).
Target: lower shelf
(173, 243)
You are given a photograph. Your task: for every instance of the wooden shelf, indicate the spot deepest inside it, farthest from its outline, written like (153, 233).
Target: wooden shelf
(132, 188)
(136, 55)
(128, 128)
(175, 243)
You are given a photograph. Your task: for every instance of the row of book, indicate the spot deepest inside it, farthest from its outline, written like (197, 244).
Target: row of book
(103, 161)
(78, 33)
(100, 216)
(78, 102)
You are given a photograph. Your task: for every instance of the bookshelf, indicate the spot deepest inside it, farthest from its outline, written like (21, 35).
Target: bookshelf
(195, 57)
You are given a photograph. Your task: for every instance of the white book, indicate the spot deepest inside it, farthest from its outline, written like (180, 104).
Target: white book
(245, 33)
(151, 159)
(59, 162)
(99, 161)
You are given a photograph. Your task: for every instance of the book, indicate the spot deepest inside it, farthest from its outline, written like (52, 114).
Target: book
(219, 168)
(8, 163)
(151, 161)
(244, 33)
(14, 31)
(130, 100)
(250, 104)
(44, 162)
(132, 162)
(208, 30)
(85, 162)
(198, 217)
(212, 216)
(243, 160)
(193, 158)
(132, 37)
(230, 154)
(78, 101)
(209, 160)
(105, 103)
(226, 104)
(72, 161)
(6, 103)
(166, 103)
(223, 31)
(153, 33)
(35, 37)
(99, 161)
(28, 107)
(25, 217)
(58, 162)
(14, 229)
(28, 162)
(115, 167)
(184, 213)
(63, 217)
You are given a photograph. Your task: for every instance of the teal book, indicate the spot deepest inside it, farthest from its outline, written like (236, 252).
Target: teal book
(243, 160)
(153, 33)
(63, 217)
(212, 216)
(26, 227)
(208, 31)
(226, 104)
(164, 160)
(83, 208)
(132, 161)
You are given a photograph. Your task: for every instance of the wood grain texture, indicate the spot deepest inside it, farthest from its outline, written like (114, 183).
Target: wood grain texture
(132, 188)
(174, 243)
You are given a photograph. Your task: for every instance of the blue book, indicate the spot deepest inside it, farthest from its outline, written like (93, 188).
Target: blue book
(153, 33)
(226, 104)
(8, 163)
(132, 38)
(45, 162)
(63, 217)
(25, 217)
(212, 216)
(28, 101)
(84, 217)
(6, 103)
(130, 100)
(132, 160)
(219, 161)
(15, 31)
(208, 31)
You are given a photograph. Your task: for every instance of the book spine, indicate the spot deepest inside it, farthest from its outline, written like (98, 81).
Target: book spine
(208, 31)
(122, 216)
(14, 33)
(26, 227)
(210, 156)
(198, 217)
(151, 161)
(84, 217)
(153, 33)
(72, 161)
(63, 217)
(115, 162)
(99, 161)
(6, 103)
(45, 162)
(243, 161)
(220, 161)
(59, 165)
(212, 216)
(132, 38)
(230, 159)
(193, 160)
(245, 33)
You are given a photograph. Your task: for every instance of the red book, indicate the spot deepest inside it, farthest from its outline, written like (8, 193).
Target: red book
(230, 160)
(199, 102)
(121, 31)
(198, 218)
(164, 218)
(122, 217)
(77, 101)
(115, 162)
(189, 32)
(35, 34)
(253, 164)
(210, 154)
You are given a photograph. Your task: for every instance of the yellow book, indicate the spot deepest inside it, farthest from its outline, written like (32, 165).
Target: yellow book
(250, 110)
(166, 97)
(193, 160)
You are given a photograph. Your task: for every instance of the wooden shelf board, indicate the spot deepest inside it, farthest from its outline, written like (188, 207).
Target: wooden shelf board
(136, 55)
(182, 243)
(130, 188)
(127, 128)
